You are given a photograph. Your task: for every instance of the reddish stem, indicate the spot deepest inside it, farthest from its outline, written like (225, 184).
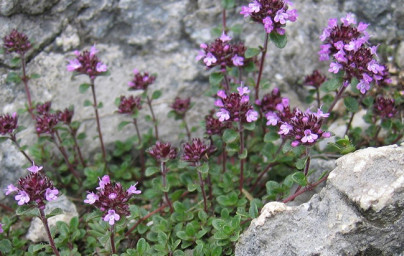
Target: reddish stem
(307, 188)
(25, 79)
(264, 53)
(156, 132)
(97, 118)
(45, 224)
(163, 168)
(112, 230)
(241, 132)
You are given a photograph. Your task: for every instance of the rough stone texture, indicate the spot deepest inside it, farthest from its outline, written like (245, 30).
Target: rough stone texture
(161, 37)
(37, 232)
(359, 212)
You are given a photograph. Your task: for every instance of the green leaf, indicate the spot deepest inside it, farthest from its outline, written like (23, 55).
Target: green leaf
(5, 246)
(230, 136)
(236, 29)
(27, 210)
(279, 40)
(13, 77)
(151, 170)
(35, 76)
(87, 103)
(251, 52)
(84, 87)
(54, 212)
(216, 32)
(2, 139)
(203, 168)
(192, 187)
(351, 104)
(38, 247)
(332, 84)
(271, 136)
(249, 126)
(142, 246)
(100, 105)
(156, 94)
(123, 124)
(387, 124)
(301, 163)
(244, 154)
(228, 4)
(299, 178)
(215, 78)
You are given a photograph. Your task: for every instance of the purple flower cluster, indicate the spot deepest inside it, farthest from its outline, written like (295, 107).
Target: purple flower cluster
(384, 107)
(272, 101)
(1, 228)
(315, 79)
(236, 106)
(273, 14)
(87, 63)
(181, 106)
(141, 81)
(302, 127)
(195, 151)
(347, 43)
(222, 53)
(162, 152)
(35, 187)
(112, 199)
(46, 121)
(65, 116)
(8, 123)
(129, 104)
(16, 42)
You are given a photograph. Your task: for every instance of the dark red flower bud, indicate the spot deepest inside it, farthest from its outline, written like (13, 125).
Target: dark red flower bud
(162, 152)
(129, 104)
(16, 42)
(8, 123)
(195, 151)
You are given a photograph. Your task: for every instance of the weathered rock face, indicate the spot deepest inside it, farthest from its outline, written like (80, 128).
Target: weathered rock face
(37, 232)
(160, 37)
(359, 212)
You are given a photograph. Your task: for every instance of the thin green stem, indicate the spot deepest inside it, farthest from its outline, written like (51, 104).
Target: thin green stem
(337, 97)
(62, 150)
(202, 183)
(187, 128)
(76, 145)
(97, 118)
(141, 152)
(264, 53)
(45, 224)
(25, 79)
(241, 133)
(14, 140)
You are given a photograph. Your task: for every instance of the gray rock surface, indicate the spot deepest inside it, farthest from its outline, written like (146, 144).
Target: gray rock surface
(161, 37)
(37, 232)
(359, 212)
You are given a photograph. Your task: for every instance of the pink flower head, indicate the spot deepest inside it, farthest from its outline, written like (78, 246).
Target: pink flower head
(201, 55)
(363, 86)
(225, 38)
(91, 198)
(272, 118)
(93, 51)
(103, 181)
(10, 189)
(1, 228)
(334, 67)
(362, 27)
(223, 115)
(255, 6)
(73, 65)
(246, 11)
(333, 22)
(281, 16)
(340, 56)
(285, 128)
(324, 52)
(309, 136)
(268, 24)
(251, 115)
(245, 99)
(133, 190)
(219, 103)
(374, 67)
(348, 19)
(243, 90)
(111, 217)
(326, 135)
(222, 94)
(209, 59)
(22, 197)
(292, 15)
(321, 114)
(295, 143)
(34, 168)
(237, 60)
(51, 194)
(101, 67)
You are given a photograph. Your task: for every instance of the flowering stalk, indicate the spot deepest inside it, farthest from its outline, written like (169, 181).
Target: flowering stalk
(45, 224)
(264, 53)
(202, 184)
(97, 118)
(242, 160)
(112, 231)
(76, 145)
(25, 79)
(14, 140)
(149, 103)
(163, 169)
(141, 152)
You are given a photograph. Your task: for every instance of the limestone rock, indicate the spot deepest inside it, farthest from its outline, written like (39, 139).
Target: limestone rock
(359, 212)
(37, 232)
